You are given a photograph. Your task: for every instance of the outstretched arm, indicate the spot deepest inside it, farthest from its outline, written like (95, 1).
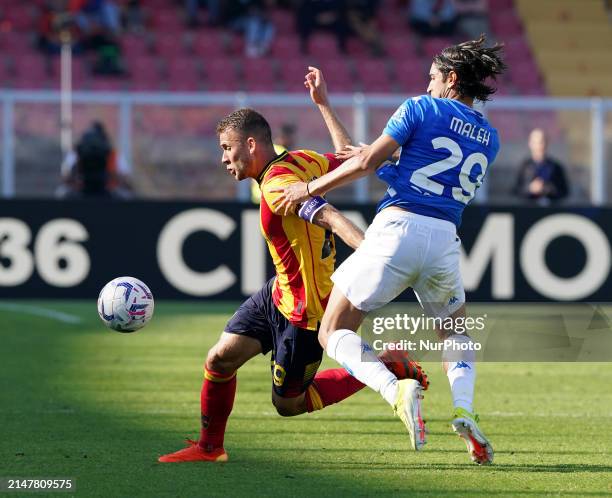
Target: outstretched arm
(331, 219)
(318, 93)
(363, 164)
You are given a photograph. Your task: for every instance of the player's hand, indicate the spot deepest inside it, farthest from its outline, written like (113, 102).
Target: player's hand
(536, 187)
(351, 151)
(315, 83)
(290, 196)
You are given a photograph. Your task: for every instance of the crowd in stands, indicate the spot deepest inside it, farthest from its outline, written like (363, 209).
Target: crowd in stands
(260, 45)
(185, 44)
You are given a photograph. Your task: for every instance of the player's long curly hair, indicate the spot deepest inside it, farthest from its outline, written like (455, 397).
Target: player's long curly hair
(474, 64)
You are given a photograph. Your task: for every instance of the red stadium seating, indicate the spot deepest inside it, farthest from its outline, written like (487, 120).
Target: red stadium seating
(167, 19)
(183, 74)
(135, 46)
(221, 75)
(286, 47)
(374, 74)
(283, 21)
(338, 74)
(433, 46)
(208, 58)
(209, 43)
(170, 45)
(259, 75)
(292, 73)
(323, 45)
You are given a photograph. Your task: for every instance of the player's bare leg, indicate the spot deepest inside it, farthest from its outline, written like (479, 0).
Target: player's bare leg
(335, 384)
(337, 335)
(217, 397)
(460, 368)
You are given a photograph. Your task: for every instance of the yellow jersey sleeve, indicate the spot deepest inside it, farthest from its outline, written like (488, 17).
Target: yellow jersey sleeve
(278, 181)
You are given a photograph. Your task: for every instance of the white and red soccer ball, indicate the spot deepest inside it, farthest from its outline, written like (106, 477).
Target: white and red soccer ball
(125, 304)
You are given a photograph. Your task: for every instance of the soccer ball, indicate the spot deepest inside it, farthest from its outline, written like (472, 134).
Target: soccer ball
(125, 304)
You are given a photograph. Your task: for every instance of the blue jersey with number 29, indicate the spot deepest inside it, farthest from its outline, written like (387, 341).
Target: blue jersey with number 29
(446, 149)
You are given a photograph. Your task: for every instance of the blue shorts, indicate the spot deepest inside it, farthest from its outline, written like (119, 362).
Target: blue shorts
(296, 352)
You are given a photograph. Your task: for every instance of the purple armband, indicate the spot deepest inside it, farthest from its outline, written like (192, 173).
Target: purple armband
(311, 207)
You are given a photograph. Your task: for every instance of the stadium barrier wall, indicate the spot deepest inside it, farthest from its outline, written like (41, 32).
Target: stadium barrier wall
(70, 249)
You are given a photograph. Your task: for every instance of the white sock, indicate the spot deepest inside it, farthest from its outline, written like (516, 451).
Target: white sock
(461, 374)
(357, 357)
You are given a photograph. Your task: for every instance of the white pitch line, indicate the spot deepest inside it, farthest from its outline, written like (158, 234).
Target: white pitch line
(39, 311)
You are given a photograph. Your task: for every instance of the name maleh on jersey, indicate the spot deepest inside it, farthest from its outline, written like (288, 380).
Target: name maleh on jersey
(468, 130)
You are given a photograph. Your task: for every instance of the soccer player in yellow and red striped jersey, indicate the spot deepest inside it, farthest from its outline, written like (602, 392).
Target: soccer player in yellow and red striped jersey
(283, 317)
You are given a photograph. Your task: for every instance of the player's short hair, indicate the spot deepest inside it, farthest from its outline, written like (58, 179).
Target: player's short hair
(474, 64)
(247, 122)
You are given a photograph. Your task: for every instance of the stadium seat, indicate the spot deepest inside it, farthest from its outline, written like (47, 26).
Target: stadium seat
(496, 5)
(505, 23)
(108, 84)
(283, 21)
(286, 47)
(323, 45)
(145, 73)
(167, 18)
(170, 45)
(292, 73)
(18, 18)
(434, 45)
(183, 74)
(221, 75)
(393, 22)
(32, 71)
(258, 75)
(210, 43)
(338, 74)
(400, 46)
(374, 75)
(134, 46)
(15, 43)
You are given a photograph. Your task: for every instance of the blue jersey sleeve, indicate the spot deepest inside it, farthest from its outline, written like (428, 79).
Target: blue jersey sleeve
(404, 121)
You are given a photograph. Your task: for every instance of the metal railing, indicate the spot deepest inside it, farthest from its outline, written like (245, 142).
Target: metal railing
(361, 105)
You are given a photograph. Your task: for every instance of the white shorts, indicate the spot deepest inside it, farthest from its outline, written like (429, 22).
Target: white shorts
(401, 250)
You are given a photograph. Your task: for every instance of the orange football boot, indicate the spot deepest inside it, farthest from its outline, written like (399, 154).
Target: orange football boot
(194, 453)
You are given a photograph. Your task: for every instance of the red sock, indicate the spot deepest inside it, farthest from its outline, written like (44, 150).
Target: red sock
(216, 403)
(329, 387)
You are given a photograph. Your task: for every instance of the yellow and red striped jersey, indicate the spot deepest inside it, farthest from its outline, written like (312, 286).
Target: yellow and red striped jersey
(303, 253)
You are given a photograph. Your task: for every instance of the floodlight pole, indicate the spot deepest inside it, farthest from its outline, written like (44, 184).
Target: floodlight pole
(66, 93)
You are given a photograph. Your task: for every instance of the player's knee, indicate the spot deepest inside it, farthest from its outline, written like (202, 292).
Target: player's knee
(323, 336)
(216, 362)
(286, 407)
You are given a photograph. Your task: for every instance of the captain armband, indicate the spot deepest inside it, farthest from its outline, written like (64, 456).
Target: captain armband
(311, 207)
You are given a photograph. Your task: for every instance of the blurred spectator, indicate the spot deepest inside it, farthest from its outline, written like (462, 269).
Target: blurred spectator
(214, 8)
(94, 168)
(99, 22)
(540, 177)
(286, 138)
(54, 19)
(321, 14)
(361, 16)
(93, 16)
(133, 16)
(285, 141)
(433, 17)
(250, 18)
(473, 18)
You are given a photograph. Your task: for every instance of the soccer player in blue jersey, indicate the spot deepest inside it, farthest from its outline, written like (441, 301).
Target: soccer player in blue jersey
(446, 147)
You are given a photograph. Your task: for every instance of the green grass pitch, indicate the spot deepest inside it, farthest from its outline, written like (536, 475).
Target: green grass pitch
(78, 400)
